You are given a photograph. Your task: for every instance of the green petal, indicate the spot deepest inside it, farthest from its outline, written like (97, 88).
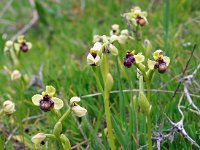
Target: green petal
(29, 45)
(79, 111)
(17, 46)
(38, 138)
(97, 60)
(113, 49)
(20, 39)
(58, 103)
(36, 99)
(166, 60)
(90, 59)
(139, 58)
(122, 39)
(50, 90)
(151, 64)
(74, 99)
(157, 54)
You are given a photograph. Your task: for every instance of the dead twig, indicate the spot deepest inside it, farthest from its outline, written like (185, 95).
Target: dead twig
(30, 24)
(179, 126)
(10, 136)
(188, 81)
(7, 6)
(136, 90)
(184, 71)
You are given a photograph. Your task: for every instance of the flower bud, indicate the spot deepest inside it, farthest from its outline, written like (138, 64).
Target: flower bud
(15, 75)
(147, 45)
(124, 32)
(96, 38)
(9, 44)
(79, 111)
(113, 38)
(109, 82)
(38, 138)
(8, 107)
(113, 49)
(26, 78)
(144, 103)
(74, 100)
(115, 29)
(122, 39)
(57, 129)
(65, 141)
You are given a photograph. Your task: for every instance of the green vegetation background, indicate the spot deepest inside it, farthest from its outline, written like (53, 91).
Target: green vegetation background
(61, 40)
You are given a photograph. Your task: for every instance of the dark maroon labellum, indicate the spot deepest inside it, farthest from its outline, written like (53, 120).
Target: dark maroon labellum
(162, 67)
(128, 59)
(140, 21)
(46, 103)
(127, 62)
(24, 47)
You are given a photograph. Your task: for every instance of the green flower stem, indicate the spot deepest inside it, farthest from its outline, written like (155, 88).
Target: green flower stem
(150, 73)
(55, 114)
(141, 87)
(148, 91)
(105, 71)
(60, 143)
(14, 59)
(149, 116)
(64, 116)
(1, 112)
(97, 79)
(122, 101)
(50, 136)
(105, 68)
(142, 69)
(108, 121)
(149, 131)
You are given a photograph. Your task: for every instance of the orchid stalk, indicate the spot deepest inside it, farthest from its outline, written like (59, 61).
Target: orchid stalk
(98, 56)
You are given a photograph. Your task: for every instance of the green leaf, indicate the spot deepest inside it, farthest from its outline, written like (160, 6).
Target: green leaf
(41, 13)
(120, 135)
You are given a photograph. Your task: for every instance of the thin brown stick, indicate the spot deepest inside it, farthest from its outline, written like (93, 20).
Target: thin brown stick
(136, 90)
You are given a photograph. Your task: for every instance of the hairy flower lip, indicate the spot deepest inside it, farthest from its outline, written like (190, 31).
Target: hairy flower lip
(46, 104)
(129, 59)
(162, 67)
(132, 58)
(24, 47)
